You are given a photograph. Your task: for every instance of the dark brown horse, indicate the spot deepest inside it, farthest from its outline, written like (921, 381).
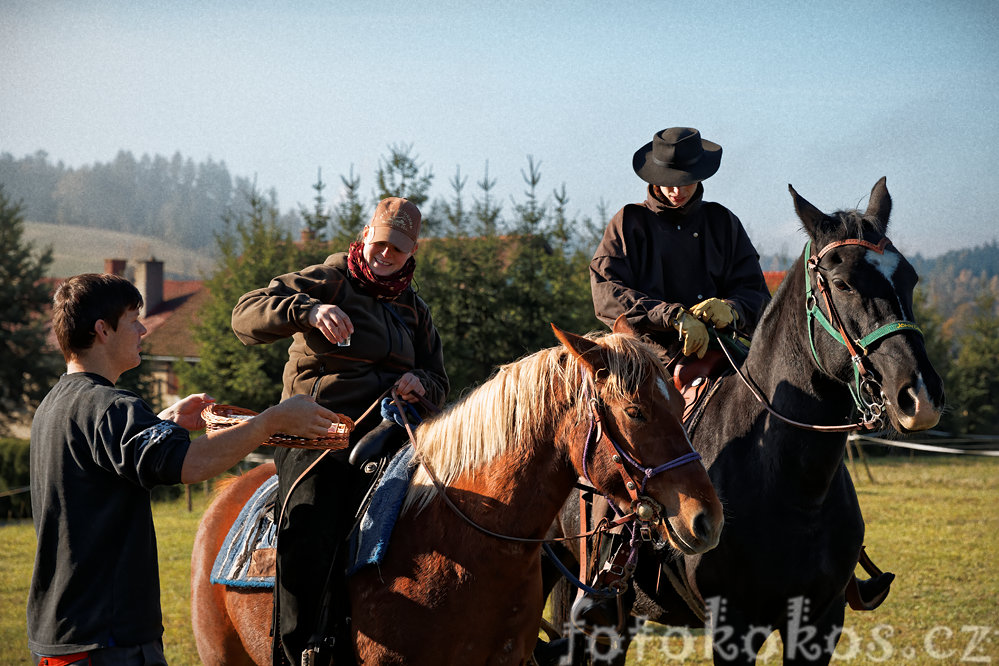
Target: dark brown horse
(508, 455)
(793, 528)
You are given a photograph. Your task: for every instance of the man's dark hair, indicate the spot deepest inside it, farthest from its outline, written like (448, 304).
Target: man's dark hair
(83, 299)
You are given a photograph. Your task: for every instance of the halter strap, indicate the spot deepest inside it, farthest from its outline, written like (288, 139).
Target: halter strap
(871, 408)
(619, 455)
(879, 247)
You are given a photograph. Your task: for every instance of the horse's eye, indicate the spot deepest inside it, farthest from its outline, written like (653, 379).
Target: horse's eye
(635, 412)
(840, 285)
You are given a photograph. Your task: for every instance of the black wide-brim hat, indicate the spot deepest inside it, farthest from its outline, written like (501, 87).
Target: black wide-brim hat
(676, 157)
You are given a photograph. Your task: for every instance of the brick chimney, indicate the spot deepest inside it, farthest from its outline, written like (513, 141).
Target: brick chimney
(115, 266)
(149, 282)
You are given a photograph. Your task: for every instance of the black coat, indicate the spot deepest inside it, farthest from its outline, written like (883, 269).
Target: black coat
(653, 260)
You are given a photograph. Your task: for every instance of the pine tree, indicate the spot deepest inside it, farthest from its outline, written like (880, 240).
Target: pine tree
(974, 387)
(29, 368)
(463, 280)
(317, 220)
(349, 216)
(399, 175)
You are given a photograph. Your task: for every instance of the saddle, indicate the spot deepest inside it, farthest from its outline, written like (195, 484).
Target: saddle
(247, 555)
(697, 380)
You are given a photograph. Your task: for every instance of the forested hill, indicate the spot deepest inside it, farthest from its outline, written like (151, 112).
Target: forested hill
(175, 199)
(960, 277)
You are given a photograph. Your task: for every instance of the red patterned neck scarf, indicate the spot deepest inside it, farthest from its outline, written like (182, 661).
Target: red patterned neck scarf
(384, 288)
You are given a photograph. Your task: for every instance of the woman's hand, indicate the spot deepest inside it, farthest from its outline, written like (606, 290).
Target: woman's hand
(409, 387)
(332, 322)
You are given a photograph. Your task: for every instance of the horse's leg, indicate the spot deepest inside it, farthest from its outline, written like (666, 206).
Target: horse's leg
(812, 642)
(734, 639)
(216, 638)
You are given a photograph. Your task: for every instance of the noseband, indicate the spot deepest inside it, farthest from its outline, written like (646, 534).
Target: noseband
(866, 391)
(644, 509)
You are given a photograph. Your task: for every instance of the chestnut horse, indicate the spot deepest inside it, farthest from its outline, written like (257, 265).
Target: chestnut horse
(508, 455)
(837, 342)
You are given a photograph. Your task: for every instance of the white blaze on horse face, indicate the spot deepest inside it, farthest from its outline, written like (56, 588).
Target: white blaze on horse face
(663, 388)
(886, 263)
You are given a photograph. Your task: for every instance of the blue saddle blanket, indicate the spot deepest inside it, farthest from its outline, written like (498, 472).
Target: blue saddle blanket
(253, 531)
(370, 539)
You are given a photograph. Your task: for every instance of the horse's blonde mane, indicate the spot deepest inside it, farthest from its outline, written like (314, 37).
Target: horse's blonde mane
(521, 403)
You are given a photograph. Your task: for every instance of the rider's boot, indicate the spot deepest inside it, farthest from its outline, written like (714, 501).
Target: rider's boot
(869, 594)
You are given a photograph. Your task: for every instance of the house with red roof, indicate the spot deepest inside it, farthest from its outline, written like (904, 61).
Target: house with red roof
(170, 308)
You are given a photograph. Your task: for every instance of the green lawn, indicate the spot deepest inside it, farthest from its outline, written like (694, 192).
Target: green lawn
(933, 521)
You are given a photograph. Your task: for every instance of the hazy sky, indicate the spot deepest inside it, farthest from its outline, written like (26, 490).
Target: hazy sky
(826, 96)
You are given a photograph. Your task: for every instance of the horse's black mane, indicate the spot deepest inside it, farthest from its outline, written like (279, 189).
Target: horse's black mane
(852, 223)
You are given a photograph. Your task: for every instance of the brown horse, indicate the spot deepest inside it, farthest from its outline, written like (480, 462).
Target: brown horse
(507, 455)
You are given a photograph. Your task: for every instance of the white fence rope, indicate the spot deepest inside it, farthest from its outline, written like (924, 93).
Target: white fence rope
(976, 446)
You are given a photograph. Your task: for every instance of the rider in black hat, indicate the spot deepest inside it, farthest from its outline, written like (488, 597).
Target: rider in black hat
(674, 261)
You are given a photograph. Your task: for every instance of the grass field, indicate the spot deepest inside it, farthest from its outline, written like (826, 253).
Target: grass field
(933, 521)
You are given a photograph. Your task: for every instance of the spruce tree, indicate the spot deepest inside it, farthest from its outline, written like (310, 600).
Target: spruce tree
(974, 372)
(29, 367)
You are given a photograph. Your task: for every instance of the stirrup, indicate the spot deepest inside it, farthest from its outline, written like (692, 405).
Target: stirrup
(589, 611)
(866, 595)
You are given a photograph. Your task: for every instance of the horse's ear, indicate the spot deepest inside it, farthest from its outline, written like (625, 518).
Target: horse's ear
(586, 351)
(879, 206)
(814, 220)
(624, 327)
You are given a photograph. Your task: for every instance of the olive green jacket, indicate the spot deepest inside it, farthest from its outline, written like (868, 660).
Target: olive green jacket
(390, 338)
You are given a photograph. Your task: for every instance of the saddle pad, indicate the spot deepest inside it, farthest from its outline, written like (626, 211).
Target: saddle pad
(253, 531)
(370, 539)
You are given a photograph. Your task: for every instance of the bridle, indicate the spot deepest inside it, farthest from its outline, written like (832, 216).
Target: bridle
(866, 390)
(644, 510)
